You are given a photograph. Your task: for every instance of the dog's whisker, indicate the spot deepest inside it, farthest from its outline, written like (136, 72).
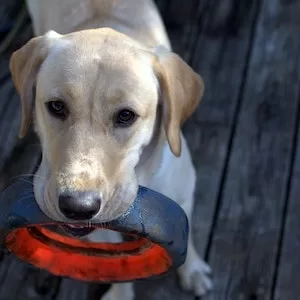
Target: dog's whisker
(27, 181)
(28, 175)
(27, 197)
(37, 176)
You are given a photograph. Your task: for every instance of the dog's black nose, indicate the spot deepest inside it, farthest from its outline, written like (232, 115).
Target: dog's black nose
(80, 206)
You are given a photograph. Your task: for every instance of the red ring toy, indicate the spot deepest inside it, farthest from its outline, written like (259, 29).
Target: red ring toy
(159, 225)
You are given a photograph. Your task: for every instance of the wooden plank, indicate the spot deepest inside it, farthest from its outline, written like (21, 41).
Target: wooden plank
(10, 109)
(9, 115)
(182, 22)
(28, 283)
(221, 57)
(244, 247)
(11, 267)
(71, 289)
(10, 104)
(18, 281)
(22, 160)
(38, 285)
(287, 282)
(166, 288)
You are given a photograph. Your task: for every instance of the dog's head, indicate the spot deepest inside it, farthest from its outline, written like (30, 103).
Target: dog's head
(94, 96)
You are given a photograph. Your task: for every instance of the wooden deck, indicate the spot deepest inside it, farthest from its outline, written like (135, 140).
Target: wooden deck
(245, 141)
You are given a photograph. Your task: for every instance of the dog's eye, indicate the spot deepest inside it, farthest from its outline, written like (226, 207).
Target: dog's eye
(58, 109)
(125, 118)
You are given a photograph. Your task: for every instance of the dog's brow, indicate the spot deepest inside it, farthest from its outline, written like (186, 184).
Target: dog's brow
(67, 91)
(70, 91)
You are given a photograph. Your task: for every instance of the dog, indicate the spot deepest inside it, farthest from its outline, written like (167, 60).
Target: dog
(108, 97)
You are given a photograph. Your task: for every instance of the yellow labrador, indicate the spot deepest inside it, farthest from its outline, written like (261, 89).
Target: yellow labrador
(108, 98)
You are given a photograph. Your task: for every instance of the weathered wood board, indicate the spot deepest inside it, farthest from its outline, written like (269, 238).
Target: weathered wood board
(288, 266)
(244, 248)
(242, 138)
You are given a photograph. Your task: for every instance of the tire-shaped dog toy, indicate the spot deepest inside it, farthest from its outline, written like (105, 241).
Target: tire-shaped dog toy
(159, 225)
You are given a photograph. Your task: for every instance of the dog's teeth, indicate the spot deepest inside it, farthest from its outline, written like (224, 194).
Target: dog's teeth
(77, 230)
(76, 226)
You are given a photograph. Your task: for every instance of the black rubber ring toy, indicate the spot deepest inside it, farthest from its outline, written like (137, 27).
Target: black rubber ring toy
(158, 224)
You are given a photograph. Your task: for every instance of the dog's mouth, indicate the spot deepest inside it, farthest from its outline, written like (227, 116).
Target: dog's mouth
(77, 230)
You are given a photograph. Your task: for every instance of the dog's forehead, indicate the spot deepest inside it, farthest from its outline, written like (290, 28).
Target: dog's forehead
(104, 46)
(81, 61)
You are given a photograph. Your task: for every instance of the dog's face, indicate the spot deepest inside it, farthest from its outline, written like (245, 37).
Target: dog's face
(96, 98)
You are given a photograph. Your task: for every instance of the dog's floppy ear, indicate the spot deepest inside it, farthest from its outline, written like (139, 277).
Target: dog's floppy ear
(181, 89)
(24, 66)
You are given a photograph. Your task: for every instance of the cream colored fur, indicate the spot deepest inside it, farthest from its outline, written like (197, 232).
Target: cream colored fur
(100, 56)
